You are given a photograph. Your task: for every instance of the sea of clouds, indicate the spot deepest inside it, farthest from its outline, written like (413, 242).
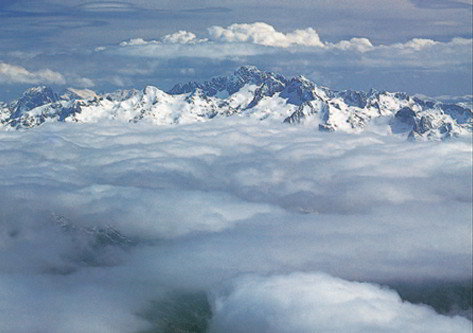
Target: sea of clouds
(280, 228)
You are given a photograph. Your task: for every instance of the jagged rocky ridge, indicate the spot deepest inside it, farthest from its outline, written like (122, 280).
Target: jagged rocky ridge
(249, 92)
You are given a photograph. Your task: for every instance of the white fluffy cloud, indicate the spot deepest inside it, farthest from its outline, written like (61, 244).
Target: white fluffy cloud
(264, 34)
(200, 205)
(258, 33)
(306, 303)
(355, 44)
(417, 44)
(260, 39)
(182, 37)
(179, 37)
(131, 42)
(12, 74)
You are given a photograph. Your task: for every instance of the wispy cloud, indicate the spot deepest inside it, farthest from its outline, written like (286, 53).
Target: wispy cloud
(82, 82)
(107, 6)
(443, 4)
(11, 74)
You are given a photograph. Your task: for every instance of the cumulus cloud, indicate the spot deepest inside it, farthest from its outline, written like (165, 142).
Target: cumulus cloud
(264, 34)
(260, 39)
(233, 41)
(305, 303)
(356, 44)
(131, 42)
(101, 223)
(417, 44)
(182, 37)
(11, 74)
(258, 33)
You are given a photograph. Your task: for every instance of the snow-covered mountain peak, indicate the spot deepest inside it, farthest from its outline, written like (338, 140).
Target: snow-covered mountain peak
(33, 98)
(230, 84)
(253, 75)
(38, 90)
(249, 74)
(303, 80)
(356, 98)
(248, 92)
(299, 90)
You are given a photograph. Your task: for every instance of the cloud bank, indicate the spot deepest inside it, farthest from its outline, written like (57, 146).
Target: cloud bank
(101, 224)
(260, 38)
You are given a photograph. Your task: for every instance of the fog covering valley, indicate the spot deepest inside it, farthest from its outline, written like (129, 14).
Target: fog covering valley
(233, 225)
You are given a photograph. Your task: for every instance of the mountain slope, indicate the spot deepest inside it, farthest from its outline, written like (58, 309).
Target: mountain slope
(249, 92)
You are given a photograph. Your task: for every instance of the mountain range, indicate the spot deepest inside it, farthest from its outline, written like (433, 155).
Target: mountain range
(248, 92)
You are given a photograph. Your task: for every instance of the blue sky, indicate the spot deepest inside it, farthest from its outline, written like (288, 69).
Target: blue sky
(417, 46)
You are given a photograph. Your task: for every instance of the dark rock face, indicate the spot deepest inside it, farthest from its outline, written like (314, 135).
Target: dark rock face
(298, 91)
(354, 98)
(304, 111)
(406, 115)
(233, 83)
(460, 113)
(33, 98)
(424, 125)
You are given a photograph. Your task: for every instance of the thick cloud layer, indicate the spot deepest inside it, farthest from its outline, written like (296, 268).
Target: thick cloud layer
(100, 222)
